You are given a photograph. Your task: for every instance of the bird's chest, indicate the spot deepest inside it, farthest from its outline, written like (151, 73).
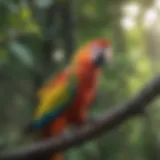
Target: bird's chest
(82, 97)
(85, 88)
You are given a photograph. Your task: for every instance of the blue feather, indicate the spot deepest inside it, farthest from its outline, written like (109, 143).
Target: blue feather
(51, 116)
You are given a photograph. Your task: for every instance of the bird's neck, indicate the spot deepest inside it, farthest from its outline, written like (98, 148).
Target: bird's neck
(86, 72)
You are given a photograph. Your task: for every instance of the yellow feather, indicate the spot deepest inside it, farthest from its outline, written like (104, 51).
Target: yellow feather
(52, 99)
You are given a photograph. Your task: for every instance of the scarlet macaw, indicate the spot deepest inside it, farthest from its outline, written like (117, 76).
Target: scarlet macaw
(66, 99)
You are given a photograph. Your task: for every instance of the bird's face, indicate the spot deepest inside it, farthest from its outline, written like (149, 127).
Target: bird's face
(93, 55)
(101, 52)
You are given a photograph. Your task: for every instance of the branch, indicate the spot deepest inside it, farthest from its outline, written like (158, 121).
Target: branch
(104, 123)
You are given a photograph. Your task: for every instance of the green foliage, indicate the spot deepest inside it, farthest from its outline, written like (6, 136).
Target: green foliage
(21, 40)
(22, 54)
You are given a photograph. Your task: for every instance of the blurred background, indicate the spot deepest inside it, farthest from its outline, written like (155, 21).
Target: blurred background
(39, 37)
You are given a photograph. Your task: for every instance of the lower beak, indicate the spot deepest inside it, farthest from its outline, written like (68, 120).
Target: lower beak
(100, 60)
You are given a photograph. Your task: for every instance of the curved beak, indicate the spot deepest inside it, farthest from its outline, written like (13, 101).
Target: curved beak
(100, 59)
(103, 57)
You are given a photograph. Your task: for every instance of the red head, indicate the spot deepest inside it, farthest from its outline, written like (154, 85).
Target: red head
(94, 54)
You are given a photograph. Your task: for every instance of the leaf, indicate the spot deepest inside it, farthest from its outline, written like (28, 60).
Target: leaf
(25, 13)
(44, 4)
(3, 56)
(22, 53)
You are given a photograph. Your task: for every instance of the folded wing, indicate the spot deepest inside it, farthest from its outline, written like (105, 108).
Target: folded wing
(55, 99)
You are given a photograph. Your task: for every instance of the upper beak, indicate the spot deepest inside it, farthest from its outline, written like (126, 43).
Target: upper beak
(100, 59)
(103, 57)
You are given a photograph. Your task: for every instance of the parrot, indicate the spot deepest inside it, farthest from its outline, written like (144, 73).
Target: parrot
(65, 100)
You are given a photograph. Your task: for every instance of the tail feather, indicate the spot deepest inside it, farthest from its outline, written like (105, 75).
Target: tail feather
(57, 156)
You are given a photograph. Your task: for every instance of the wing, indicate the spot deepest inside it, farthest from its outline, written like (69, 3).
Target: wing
(49, 85)
(55, 101)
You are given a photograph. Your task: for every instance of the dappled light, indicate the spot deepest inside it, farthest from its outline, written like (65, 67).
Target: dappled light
(150, 17)
(128, 23)
(131, 9)
(157, 4)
